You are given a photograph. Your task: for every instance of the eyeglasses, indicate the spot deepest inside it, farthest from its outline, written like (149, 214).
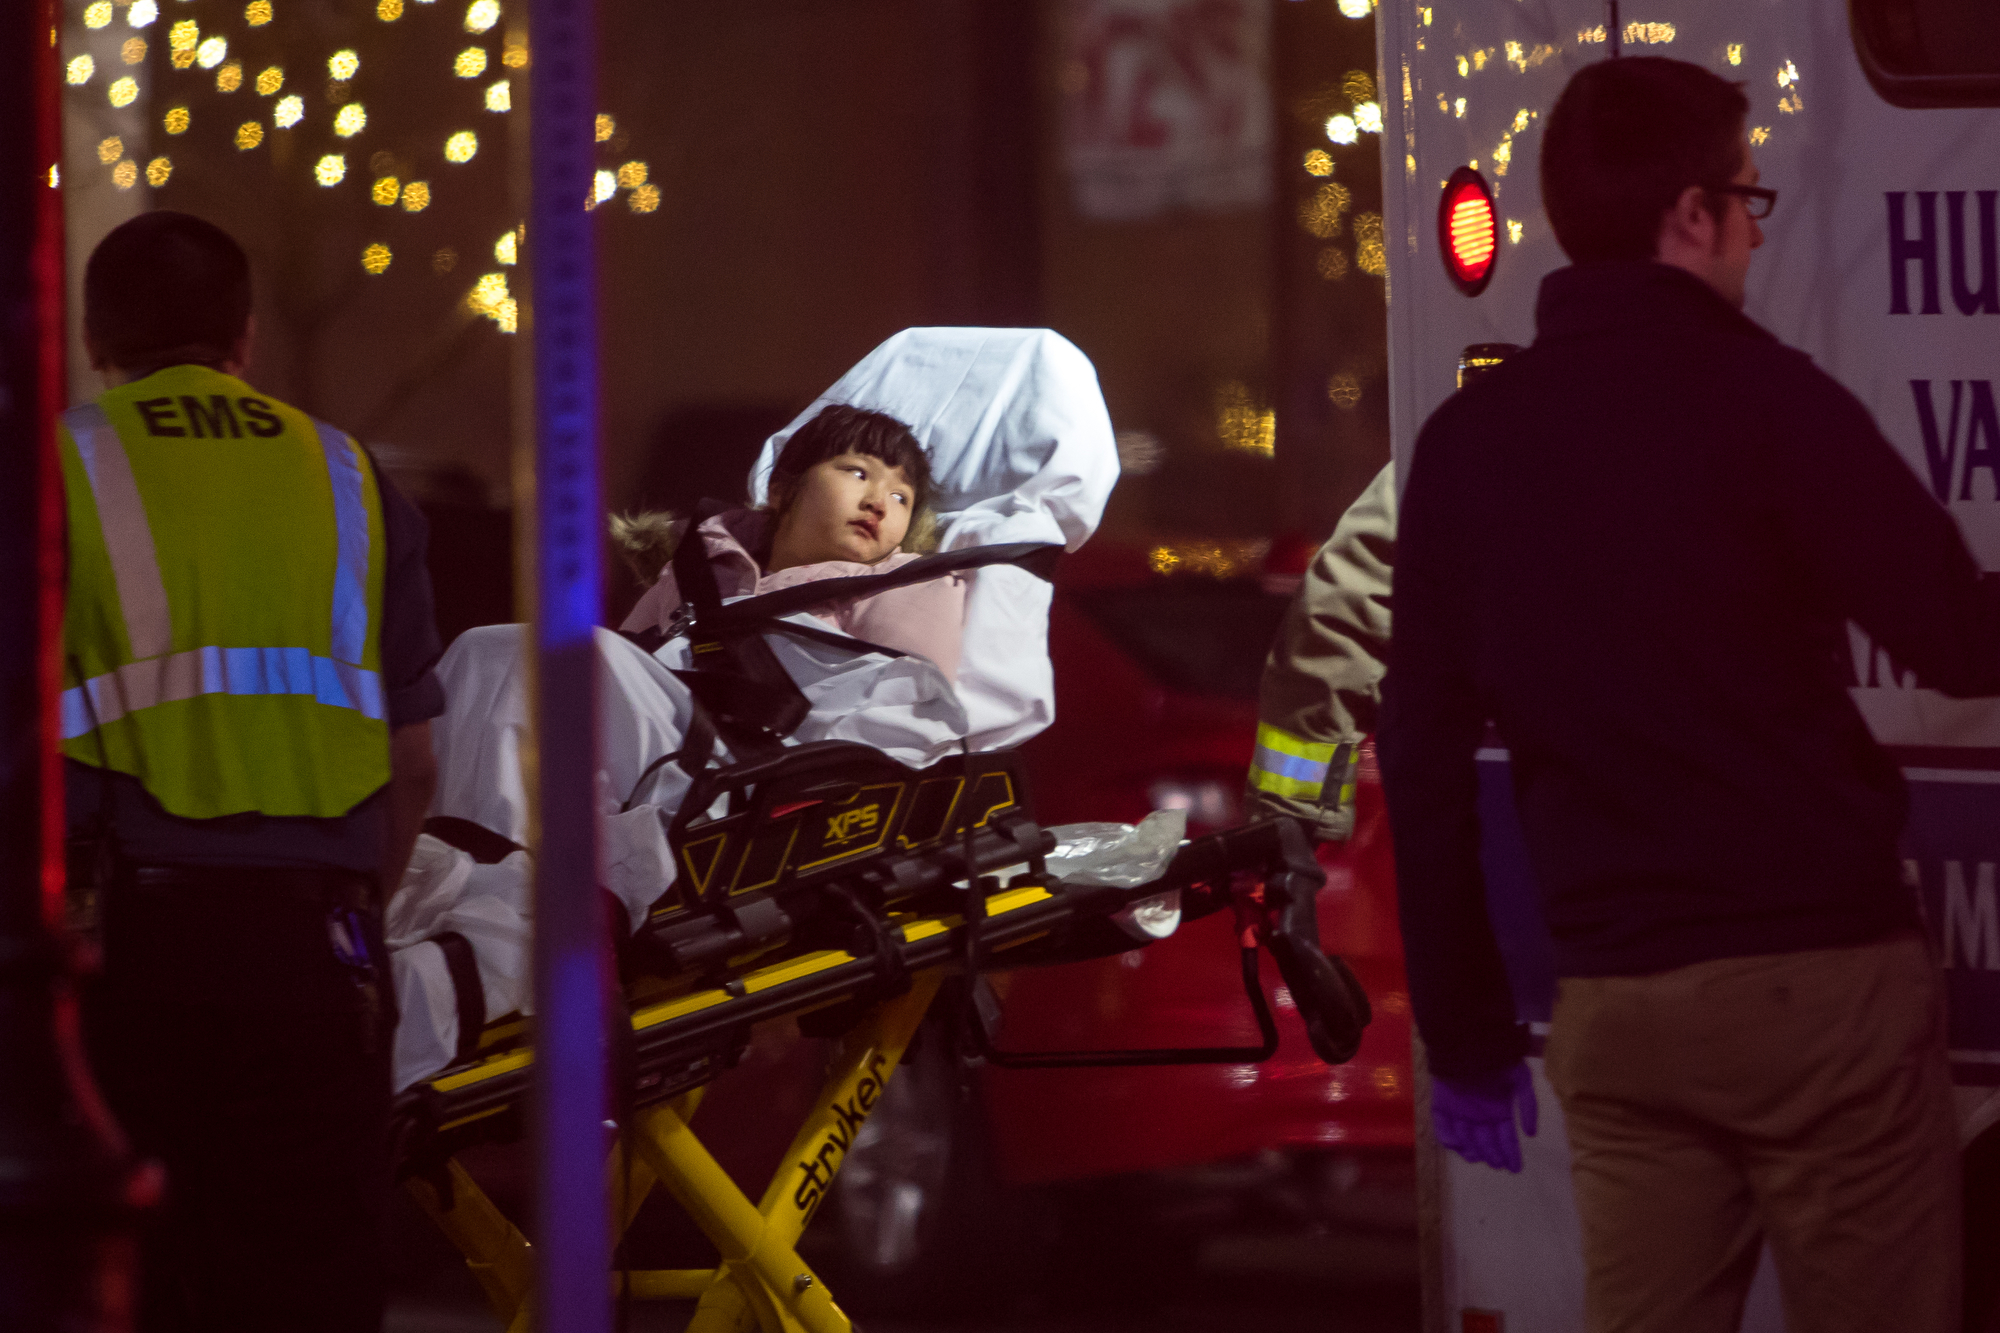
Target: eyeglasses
(1757, 200)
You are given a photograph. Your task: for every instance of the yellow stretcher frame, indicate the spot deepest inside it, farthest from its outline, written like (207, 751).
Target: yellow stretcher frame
(761, 1282)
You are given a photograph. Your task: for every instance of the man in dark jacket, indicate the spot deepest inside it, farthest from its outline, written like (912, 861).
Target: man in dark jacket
(1634, 549)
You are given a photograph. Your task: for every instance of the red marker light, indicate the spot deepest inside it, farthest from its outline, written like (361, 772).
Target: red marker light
(1468, 231)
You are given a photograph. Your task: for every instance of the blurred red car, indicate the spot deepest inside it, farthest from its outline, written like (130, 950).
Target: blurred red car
(1156, 683)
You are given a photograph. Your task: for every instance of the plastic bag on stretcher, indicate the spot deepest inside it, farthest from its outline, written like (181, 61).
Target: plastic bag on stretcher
(1021, 450)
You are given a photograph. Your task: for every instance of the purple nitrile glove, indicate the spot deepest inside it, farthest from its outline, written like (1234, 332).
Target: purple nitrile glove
(1474, 1117)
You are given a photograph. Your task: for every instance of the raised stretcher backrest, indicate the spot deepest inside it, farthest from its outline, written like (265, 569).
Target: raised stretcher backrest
(1021, 450)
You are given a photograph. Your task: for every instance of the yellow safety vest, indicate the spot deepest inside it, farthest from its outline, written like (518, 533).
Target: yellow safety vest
(222, 636)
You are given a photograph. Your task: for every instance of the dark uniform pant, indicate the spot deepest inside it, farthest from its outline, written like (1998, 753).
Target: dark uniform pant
(242, 1052)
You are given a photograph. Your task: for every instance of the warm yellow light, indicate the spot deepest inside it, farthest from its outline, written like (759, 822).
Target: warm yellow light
(385, 190)
(55, 176)
(1503, 157)
(1358, 86)
(500, 97)
(1735, 53)
(248, 135)
(229, 78)
(1241, 423)
(1514, 230)
(97, 14)
(330, 170)
(211, 51)
(1760, 133)
(80, 70)
(288, 112)
(603, 185)
(487, 294)
(1321, 214)
(1657, 34)
(416, 196)
(461, 146)
(1368, 117)
(183, 35)
(1369, 254)
(1342, 129)
(1356, 9)
(110, 150)
(176, 120)
(389, 10)
(126, 174)
(489, 297)
(1424, 15)
(124, 92)
(270, 80)
(507, 249)
(158, 170)
(515, 54)
(343, 65)
(376, 258)
(1464, 68)
(350, 120)
(1318, 163)
(632, 175)
(1458, 109)
(606, 127)
(133, 51)
(481, 15)
(1521, 119)
(471, 62)
(142, 13)
(644, 199)
(257, 13)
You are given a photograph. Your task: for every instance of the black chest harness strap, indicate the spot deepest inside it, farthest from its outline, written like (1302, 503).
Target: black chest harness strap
(742, 694)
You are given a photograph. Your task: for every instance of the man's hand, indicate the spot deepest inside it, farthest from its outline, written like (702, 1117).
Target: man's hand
(1474, 1117)
(412, 781)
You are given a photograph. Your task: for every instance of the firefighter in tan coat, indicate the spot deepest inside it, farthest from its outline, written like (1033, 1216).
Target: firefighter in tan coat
(1322, 681)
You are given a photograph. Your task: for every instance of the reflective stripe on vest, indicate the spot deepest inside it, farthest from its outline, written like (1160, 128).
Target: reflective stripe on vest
(161, 677)
(162, 680)
(1288, 765)
(149, 626)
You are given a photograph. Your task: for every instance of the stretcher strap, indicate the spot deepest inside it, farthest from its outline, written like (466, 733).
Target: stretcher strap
(467, 990)
(1038, 558)
(477, 841)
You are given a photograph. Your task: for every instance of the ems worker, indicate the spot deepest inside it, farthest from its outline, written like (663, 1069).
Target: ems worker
(1322, 683)
(247, 657)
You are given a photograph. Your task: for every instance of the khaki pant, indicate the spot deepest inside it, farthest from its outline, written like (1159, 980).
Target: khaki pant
(1802, 1099)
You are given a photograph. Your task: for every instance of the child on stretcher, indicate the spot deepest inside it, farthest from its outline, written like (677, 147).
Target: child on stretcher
(849, 495)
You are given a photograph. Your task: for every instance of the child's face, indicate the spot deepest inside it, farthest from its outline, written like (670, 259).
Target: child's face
(850, 507)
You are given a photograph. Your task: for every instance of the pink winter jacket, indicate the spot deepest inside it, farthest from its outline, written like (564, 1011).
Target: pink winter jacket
(927, 619)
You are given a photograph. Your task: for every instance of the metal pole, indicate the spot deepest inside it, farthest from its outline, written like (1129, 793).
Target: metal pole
(569, 1104)
(63, 1169)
